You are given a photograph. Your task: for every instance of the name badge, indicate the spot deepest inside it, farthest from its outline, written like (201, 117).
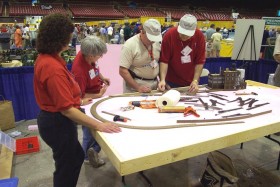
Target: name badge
(185, 59)
(96, 65)
(186, 51)
(92, 74)
(154, 64)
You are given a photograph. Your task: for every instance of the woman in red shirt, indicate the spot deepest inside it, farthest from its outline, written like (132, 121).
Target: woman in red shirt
(58, 96)
(86, 71)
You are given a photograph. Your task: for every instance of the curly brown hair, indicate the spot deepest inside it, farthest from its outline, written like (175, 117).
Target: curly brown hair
(54, 33)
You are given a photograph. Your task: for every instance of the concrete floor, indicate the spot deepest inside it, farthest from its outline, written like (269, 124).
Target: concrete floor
(255, 164)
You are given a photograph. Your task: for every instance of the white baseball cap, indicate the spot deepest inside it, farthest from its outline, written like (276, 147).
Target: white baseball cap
(153, 30)
(187, 25)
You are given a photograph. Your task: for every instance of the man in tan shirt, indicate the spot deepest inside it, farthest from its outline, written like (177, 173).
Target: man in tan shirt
(216, 39)
(139, 59)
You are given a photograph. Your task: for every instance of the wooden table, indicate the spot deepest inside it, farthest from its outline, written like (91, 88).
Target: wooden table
(135, 150)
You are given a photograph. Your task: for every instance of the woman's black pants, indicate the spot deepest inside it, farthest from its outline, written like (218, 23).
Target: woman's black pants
(60, 133)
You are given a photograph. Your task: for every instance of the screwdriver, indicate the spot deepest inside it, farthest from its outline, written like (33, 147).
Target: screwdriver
(117, 117)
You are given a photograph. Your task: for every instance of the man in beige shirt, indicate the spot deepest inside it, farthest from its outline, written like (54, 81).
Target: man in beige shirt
(139, 59)
(216, 39)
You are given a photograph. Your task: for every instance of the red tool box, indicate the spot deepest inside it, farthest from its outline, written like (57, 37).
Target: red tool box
(27, 145)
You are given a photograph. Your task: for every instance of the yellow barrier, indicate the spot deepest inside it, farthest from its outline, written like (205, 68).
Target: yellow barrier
(226, 49)
(142, 19)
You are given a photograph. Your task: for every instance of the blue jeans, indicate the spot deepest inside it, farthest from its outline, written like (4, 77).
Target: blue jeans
(89, 141)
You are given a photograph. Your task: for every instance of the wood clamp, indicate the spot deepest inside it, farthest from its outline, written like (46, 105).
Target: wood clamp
(237, 99)
(215, 102)
(242, 102)
(251, 102)
(218, 97)
(229, 110)
(190, 111)
(218, 94)
(256, 106)
(206, 106)
(235, 115)
(246, 93)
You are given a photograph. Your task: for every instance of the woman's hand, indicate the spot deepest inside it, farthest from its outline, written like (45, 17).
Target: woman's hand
(103, 90)
(86, 101)
(108, 127)
(106, 81)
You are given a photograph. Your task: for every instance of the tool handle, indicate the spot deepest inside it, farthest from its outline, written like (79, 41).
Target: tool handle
(119, 118)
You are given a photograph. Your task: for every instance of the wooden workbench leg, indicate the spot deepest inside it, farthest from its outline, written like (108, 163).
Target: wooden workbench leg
(276, 141)
(123, 180)
(146, 178)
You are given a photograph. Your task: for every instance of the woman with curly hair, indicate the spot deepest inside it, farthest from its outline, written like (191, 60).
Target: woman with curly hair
(58, 96)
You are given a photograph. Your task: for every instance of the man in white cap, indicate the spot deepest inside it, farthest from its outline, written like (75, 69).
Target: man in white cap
(139, 59)
(182, 55)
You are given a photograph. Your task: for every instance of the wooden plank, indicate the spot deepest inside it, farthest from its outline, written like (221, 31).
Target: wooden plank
(6, 161)
(111, 153)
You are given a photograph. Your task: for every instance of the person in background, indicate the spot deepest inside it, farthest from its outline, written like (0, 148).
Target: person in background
(137, 28)
(272, 33)
(18, 37)
(216, 39)
(11, 31)
(182, 55)
(26, 36)
(209, 43)
(277, 32)
(225, 33)
(33, 36)
(127, 31)
(4, 28)
(210, 31)
(58, 96)
(122, 35)
(276, 55)
(264, 41)
(110, 32)
(74, 37)
(86, 71)
(116, 39)
(139, 59)
(102, 32)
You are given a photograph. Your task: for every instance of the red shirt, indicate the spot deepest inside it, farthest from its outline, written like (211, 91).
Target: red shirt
(54, 86)
(181, 73)
(81, 70)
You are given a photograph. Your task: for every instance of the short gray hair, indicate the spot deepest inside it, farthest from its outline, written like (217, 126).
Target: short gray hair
(93, 45)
